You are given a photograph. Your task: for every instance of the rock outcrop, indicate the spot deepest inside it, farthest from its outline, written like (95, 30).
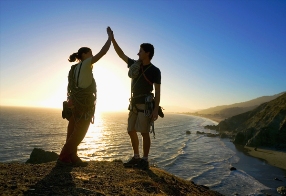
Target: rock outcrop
(41, 156)
(98, 178)
(281, 190)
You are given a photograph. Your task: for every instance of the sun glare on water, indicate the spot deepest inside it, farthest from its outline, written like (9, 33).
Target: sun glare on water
(93, 138)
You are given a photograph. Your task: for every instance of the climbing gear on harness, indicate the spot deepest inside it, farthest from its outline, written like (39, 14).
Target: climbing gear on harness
(131, 99)
(67, 112)
(160, 112)
(134, 69)
(81, 100)
(149, 97)
(149, 107)
(152, 130)
(149, 104)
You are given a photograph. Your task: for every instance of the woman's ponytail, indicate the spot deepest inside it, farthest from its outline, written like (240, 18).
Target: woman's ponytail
(78, 56)
(73, 57)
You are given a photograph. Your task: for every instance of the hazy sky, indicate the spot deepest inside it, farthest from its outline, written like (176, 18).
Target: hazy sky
(209, 52)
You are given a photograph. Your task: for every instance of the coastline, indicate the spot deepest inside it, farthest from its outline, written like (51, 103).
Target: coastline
(259, 169)
(211, 117)
(272, 157)
(267, 166)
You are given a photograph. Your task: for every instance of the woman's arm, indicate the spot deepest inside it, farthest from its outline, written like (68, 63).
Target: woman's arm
(104, 49)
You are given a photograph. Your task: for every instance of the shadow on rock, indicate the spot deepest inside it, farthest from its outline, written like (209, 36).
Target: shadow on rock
(58, 182)
(173, 188)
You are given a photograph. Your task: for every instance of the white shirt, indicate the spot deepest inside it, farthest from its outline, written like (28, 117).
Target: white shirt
(85, 76)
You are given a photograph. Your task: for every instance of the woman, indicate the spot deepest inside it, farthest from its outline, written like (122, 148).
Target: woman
(81, 101)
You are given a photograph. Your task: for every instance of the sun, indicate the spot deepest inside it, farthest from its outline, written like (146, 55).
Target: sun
(113, 88)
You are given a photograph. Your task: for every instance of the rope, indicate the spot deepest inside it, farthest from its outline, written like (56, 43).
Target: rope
(132, 87)
(83, 98)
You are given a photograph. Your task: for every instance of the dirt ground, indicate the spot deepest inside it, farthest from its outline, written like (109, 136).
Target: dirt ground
(98, 178)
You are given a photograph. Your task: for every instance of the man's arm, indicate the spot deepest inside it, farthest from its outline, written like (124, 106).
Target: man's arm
(119, 51)
(104, 49)
(157, 101)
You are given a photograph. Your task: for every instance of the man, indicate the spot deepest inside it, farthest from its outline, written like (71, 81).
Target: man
(142, 85)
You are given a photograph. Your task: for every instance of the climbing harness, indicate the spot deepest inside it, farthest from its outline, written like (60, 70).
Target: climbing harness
(149, 98)
(81, 100)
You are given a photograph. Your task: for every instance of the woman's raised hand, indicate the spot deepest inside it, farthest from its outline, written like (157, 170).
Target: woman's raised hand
(109, 32)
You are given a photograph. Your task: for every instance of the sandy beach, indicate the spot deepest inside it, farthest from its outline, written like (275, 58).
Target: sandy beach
(272, 157)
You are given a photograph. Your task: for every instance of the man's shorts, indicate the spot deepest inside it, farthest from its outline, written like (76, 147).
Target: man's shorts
(137, 121)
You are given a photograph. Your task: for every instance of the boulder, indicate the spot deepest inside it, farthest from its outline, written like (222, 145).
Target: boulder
(223, 135)
(211, 127)
(232, 168)
(277, 179)
(41, 156)
(281, 190)
(188, 132)
(212, 135)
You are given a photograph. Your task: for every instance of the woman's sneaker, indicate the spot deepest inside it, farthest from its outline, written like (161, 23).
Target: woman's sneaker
(80, 163)
(143, 164)
(132, 162)
(61, 163)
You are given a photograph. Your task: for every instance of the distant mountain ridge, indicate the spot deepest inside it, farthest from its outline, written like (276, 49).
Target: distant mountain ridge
(226, 111)
(263, 126)
(173, 108)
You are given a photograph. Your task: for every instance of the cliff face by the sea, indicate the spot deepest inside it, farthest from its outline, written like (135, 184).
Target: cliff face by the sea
(98, 178)
(262, 126)
(41, 175)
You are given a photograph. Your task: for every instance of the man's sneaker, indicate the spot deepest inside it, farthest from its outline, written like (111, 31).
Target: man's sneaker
(143, 164)
(132, 162)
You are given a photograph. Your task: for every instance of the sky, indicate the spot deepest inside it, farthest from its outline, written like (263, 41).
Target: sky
(210, 53)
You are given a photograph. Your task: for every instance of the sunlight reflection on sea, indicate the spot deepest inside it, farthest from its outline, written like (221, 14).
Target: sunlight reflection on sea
(204, 160)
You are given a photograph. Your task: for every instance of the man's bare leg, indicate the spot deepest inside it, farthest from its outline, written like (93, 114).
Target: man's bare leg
(146, 144)
(134, 141)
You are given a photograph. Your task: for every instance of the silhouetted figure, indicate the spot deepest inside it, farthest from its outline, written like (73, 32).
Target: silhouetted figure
(81, 101)
(143, 112)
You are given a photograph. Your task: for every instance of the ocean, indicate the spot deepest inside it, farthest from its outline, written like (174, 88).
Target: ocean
(193, 157)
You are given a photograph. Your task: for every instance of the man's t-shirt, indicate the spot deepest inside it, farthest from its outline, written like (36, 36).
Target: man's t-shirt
(85, 76)
(139, 85)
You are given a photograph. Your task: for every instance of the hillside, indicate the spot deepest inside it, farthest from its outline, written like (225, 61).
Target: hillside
(226, 111)
(263, 126)
(98, 178)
